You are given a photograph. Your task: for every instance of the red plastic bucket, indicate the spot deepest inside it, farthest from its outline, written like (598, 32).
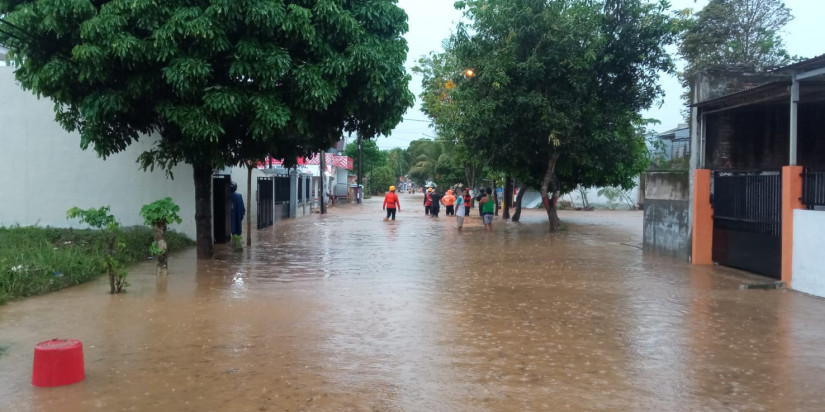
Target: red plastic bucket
(58, 362)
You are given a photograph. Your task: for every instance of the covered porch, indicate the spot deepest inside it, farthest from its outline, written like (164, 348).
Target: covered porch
(759, 182)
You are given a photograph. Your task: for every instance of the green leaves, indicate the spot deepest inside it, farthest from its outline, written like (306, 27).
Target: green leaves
(99, 218)
(220, 81)
(577, 71)
(163, 211)
(187, 76)
(734, 32)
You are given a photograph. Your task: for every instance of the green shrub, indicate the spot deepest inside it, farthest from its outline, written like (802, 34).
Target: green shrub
(37, 260)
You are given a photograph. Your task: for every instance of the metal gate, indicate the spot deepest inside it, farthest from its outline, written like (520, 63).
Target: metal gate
(813, 189)
(265, 201)
(281, 197)
(747, 221)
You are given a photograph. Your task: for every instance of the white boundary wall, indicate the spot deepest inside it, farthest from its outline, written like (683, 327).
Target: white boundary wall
(43, 171)
(808, 246)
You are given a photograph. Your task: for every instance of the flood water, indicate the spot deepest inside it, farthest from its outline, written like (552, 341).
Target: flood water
(344, 312)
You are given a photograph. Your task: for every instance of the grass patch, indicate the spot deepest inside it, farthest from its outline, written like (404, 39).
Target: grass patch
(3, 350)
(38, 260)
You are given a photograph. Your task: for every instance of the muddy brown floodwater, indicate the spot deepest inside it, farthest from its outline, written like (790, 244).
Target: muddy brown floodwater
(344, 312)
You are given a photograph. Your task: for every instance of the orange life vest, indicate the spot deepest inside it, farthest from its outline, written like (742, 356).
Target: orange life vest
(391, 200)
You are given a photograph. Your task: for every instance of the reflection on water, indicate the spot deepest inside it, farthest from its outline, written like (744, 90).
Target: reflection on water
(346, 312)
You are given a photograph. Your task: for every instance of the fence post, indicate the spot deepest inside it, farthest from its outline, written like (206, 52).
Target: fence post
(702, 246)
(791, 193)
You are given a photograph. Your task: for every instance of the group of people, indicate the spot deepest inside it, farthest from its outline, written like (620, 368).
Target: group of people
(460, 205)
(455, 205)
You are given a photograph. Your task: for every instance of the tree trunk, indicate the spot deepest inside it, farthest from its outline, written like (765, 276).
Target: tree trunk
(495, 199)
(360, 162)
(159, 233)
(249, 166)
(203, 211)
(508, 197)
(550, 205)
(323, 177)
(470, 175)
(640, 201)
(109, 266)
(519, 196)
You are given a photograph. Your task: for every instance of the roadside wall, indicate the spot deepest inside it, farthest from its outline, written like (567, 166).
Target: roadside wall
(808, 244)
(666, 217)
(44, 172)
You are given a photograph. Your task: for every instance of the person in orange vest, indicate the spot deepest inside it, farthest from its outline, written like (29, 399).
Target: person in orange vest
(428, 201)
(391, 203)
(448, 200)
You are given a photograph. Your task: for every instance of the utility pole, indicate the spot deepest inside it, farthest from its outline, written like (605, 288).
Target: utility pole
(249, 166)
(360, 162)
(323, 173)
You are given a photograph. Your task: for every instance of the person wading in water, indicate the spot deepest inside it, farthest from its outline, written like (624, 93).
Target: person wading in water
(391, 203)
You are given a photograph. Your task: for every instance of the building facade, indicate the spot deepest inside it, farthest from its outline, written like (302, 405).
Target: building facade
(758, 173)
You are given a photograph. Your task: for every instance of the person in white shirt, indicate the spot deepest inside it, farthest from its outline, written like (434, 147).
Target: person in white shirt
(460, 211)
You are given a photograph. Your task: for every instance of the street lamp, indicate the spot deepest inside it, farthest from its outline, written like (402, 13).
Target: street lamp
(449, 85)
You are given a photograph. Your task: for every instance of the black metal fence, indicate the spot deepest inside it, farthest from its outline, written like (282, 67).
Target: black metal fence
(281, 189)
(813, 188)
(265, 202)
(748, 201)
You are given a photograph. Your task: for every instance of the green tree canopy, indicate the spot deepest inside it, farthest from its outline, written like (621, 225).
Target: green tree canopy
(734, 32)
(217, 82)
(373, 156)
(558, 87)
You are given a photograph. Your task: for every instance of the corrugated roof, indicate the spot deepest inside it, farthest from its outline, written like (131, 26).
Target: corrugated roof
(805, 65)
(743, 92)
(798, 67)
(671, 131)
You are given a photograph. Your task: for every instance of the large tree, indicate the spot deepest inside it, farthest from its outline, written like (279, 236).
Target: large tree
(558, 87)
(216, 82)
(734, 32)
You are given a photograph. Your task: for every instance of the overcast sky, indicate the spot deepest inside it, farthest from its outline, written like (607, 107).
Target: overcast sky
(431, 21)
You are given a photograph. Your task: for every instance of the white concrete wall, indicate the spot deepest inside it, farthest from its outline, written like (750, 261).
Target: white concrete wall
(808, 245)
(43, 171)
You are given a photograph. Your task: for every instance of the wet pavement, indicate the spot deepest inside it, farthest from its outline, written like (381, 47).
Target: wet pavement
(344, 312)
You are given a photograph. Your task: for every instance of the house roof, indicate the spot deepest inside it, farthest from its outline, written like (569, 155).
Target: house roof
(803, 66)
(774, 91)
(771, 91)
(674, 130)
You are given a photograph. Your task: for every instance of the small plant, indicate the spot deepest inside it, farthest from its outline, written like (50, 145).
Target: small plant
(102, 220)
(160, 214)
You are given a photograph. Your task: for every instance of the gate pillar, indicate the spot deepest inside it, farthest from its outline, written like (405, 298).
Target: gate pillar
(702, 242)
(791, 199)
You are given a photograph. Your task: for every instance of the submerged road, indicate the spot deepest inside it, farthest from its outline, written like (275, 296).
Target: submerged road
(344, 312)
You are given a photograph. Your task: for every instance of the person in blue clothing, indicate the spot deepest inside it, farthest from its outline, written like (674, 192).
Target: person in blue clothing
(238, 210)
